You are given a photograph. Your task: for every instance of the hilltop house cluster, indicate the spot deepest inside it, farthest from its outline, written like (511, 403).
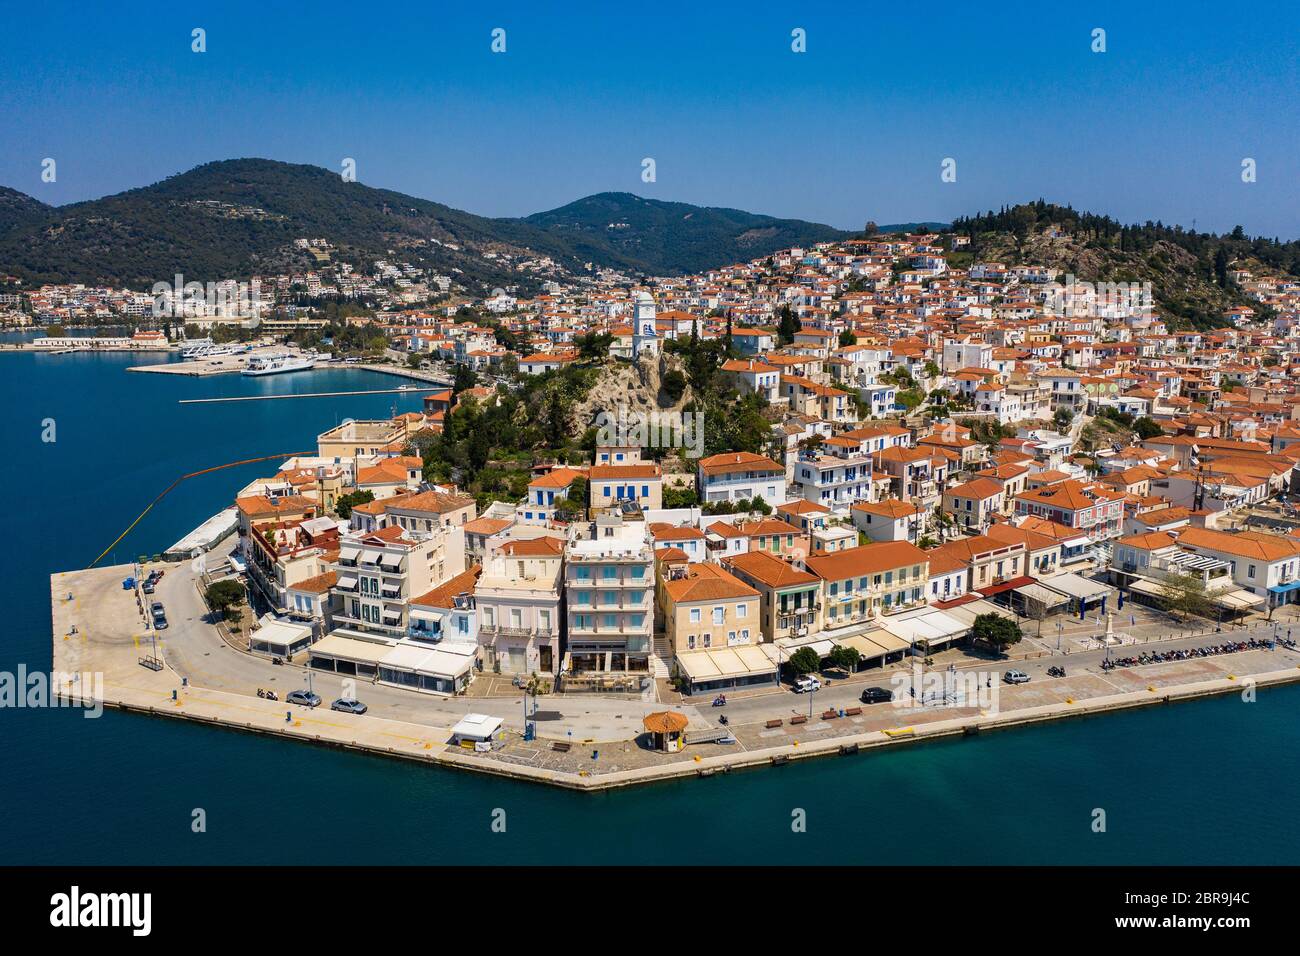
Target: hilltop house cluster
(927, 464)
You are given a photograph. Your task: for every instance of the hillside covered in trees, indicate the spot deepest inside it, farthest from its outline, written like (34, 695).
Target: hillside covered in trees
(1189, 271)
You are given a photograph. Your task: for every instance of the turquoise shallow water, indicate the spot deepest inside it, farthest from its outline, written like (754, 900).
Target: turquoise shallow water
(1204, 782)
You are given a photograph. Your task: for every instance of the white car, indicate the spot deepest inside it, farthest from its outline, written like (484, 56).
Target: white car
(805, 685)
(1016, 677)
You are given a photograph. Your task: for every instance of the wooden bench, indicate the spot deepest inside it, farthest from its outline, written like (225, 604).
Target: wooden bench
(560, 746)
(853, 712)
(799, 720)
(773, 723)
(830, 714)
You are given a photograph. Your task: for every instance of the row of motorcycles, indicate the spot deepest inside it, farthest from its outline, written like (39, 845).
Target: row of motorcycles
(1056, 671)
(266, 694)
(1187, 654)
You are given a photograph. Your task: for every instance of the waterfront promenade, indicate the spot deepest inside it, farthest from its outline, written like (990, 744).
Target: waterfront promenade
(99, 627)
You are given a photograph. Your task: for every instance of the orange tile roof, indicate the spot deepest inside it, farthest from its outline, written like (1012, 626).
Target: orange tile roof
(866, 559)
(706, 582)
(769, 570)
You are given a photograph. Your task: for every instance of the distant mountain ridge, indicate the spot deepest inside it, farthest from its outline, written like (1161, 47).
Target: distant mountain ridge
(236, 218)
(673, 237)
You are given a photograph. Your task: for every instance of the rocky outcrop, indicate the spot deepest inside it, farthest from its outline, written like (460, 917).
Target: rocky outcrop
(636, 387)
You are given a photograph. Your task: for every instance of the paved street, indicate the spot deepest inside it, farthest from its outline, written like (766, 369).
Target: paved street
(194, 650)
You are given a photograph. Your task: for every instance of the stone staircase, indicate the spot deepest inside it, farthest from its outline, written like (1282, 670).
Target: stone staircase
(659, 659)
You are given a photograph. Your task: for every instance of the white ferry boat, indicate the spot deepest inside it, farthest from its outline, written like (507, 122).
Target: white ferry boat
(193, 348)
(275, 364)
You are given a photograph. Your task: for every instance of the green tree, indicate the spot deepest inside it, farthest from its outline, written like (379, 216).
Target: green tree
(909, 398)
(1184, 594)
(675, 497)
(804, 661)
(845, 658)
(848, 338)
(1146, 427)
(344, 504)
(787, 327)
(464, 379)
(224, 596)
(996, 631)
(674, 384)
(1062, 419)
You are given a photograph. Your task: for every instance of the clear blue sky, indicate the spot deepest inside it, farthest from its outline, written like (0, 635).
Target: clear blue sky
(853, 129)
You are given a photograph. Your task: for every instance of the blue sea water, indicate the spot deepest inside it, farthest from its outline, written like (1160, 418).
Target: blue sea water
(1206, 782)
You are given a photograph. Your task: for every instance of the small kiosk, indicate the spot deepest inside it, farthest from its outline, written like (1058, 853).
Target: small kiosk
(477, 732)
(667, 730)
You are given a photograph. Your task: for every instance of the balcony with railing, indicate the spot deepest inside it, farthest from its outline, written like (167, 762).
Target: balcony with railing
(519, 631)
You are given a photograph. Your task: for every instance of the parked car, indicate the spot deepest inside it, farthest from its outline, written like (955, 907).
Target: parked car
(349, 705)
(159, 615)
(876, 695)
(306, 698)
(806, 684)
(1016, 677)
(147, 587)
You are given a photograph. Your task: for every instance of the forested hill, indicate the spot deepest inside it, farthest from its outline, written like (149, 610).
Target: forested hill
(236, 218)
(1189, 271)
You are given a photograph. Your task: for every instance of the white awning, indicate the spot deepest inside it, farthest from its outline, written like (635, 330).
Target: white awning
(347, 582)
(1238, 600)
(742, 660)
(391, 559)
(358, 648)
(864, 646)
(1044, 596)
(934, 626)
(349, 552)
(1076, 586)
(370, 556)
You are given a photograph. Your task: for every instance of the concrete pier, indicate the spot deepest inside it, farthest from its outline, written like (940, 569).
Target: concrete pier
(99, 627)
(206, 536)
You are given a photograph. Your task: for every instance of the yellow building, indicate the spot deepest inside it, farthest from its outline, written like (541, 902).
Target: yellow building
(705, 606)
(860, 583)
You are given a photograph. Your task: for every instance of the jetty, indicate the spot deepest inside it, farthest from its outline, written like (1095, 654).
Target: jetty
(408, 390)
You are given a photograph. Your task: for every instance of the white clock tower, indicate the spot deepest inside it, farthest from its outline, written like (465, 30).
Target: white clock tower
(645, 341)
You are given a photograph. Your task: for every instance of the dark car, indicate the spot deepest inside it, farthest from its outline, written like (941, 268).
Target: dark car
(304, 697)
(159, 616)
(349, 705)
(147, 587)
(876, 695)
